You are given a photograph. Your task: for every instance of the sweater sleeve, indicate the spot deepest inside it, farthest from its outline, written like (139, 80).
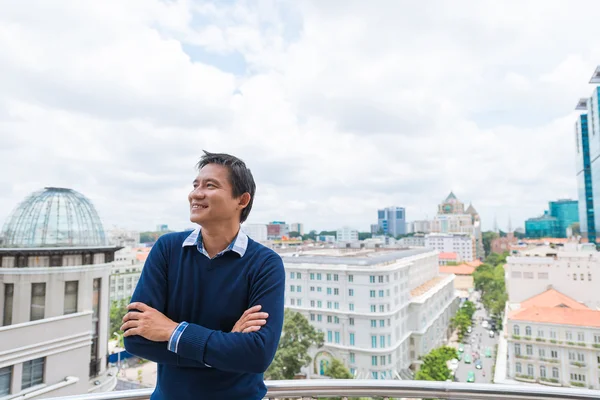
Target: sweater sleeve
(243, 352)
(152, 290)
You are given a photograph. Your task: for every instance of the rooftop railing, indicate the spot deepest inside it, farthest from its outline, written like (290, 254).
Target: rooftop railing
(313, 389)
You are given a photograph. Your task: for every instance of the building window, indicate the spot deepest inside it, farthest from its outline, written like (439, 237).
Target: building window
(529, 369)
(352, 357)
(382, 308)
(352, 340)
(373, 341)
(5, 380)
(382, 323)
(293, 302)
(540, 333)
(298, 289)
(381, 293)
(553, 353)
(298, 275)
(351, 306)
(336, 305)
(312, 303)
(96, 299)
(9, 290)
(527, 331)
(351, 321)
(372, 293)
(350, 278)
(319, 304)
(569, 335)
(518, 368)
(33, 373)
(380, 278)
(312, 288)
(373, 323)
(319, 317)
(517, 349)
(71, 292)
(373, 308)
(337, 336)
(292, 275)
(350, 292)
(312, 317)
(328, 291)
(580, 336)
(299, 302)
(542, 353)
(382, 341)
(336, 277)
(312, 276)
(542, 371)
(372, 279)
(336, 291)
(292, 288)
(38, 301)
(328, 277)
(318, 276)
(555, 373)
(374, 361)
(329, 304)
(552, 334)
(516, 330)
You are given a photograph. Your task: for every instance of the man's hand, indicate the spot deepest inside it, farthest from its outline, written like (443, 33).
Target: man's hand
(148, 323)
(251, 320)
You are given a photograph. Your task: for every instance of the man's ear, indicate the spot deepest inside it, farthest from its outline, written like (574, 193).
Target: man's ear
(244, 200)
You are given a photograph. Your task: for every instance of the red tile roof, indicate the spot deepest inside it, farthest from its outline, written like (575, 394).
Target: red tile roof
(462, 269)
(448, 256)
(558, 315)
(552, 298)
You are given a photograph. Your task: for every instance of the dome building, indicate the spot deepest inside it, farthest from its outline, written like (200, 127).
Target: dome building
(55, 266)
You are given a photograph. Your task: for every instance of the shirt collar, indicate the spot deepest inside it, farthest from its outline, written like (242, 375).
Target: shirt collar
(238, 245)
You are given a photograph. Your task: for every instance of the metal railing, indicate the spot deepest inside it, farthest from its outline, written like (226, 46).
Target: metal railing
(314, 388)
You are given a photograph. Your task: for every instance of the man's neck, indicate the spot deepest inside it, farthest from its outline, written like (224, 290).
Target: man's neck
(216, 239)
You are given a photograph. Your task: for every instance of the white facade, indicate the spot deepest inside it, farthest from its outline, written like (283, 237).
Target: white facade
(461, 244)
(412, 241)
(123, 237)
(364, 307)
(297, 227)
(257, 232)
(572, 271)
(347, 235)
(53, 319)
(553, 354)
(124, 274)
(423, 226)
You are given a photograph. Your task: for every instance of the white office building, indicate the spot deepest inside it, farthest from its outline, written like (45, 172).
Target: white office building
(258, 232)
(460, 243)
(347, 235)
(125, 273)
(54, 298)
(379, 310)
(572, 270)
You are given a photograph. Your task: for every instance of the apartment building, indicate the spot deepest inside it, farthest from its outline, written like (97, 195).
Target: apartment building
(462, 244)
(379, 310)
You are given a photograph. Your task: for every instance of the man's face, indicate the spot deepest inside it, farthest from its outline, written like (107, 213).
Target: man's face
(212, 199)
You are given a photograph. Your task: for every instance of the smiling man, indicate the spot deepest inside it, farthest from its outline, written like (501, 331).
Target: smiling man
(208, 307)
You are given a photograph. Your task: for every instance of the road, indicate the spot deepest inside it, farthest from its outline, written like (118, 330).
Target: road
(481, 340)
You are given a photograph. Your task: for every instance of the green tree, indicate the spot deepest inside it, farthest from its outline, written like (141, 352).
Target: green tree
(461, 322)
(576, 228)
(487, 238)
(312, 235)
(469, 308)
(364, 235)
(328, 233)
(294, 234)
(434, 367)
(292, 353)
(118, 309)
(337, 370)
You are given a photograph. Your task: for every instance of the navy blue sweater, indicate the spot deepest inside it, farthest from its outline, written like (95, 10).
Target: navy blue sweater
(211, 295)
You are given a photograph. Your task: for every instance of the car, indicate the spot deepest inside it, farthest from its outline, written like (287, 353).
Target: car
(492, 334)
(461, 348)
(471, 377)
(469, 330)
(478, 364)
(484, 323)
(467, 358)
(488, 352)
(459, 356)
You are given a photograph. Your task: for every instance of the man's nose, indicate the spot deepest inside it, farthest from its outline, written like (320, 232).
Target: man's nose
(197, 193)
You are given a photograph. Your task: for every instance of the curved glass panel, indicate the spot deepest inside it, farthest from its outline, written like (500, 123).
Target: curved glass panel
(53, 217)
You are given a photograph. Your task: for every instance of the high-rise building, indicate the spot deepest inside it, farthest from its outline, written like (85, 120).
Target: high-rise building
(584, 179)
(392, 221)
(54, 298)
(463, 244)
(561, 214)
(276, 230)
(297, 227)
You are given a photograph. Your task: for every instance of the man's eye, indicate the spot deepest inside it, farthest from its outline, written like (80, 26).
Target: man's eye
(210, 185)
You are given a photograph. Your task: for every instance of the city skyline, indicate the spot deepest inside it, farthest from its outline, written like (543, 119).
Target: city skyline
(334, 126)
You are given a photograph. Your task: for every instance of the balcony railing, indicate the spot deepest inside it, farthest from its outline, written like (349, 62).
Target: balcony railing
(315, 388)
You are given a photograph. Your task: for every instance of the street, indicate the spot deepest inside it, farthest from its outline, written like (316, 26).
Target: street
(477, 341)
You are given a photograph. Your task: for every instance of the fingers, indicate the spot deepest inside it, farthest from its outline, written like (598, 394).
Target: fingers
(138, 306)
(252, 310)
(257, 315)
(129, 325)
(131, 332)
(251, 329)
(131, 315)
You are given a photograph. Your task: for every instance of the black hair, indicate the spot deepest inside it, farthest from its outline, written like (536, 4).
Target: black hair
(240, 177)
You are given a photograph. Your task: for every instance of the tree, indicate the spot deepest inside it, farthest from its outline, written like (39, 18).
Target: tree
(292, 353)
(337, 370)
(461, 322)
(312, 235)
(294, 234)
(364, 235)
(487, 238)
(118, 309)
(469, 308)
(434, 367)
(328, 233)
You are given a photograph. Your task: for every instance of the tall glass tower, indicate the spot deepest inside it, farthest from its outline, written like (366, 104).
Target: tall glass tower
(584, 179)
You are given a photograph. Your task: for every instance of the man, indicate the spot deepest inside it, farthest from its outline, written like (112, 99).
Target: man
(195, 286)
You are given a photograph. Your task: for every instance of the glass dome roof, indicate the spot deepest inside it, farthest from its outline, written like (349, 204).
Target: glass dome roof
(53, 217)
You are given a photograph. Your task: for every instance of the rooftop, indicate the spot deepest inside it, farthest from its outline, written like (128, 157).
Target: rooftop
(553, 298)
(462, 269)
(448, 256)
(365, 258)
(424, 288)
(558, 315)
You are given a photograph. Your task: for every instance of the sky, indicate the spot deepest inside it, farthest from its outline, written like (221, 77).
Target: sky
(338, 107)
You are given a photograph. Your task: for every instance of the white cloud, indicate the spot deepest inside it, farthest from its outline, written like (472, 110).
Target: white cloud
(338, 107)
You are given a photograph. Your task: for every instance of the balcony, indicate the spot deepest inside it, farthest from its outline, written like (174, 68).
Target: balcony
(313, 389)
